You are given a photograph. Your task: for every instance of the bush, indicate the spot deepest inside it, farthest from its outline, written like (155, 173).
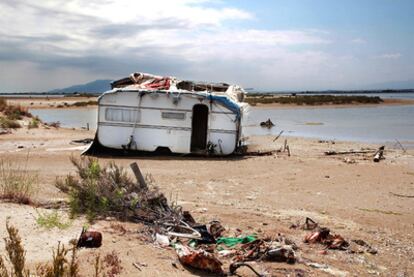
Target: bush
(8, 123)
(98, 191)
(34, 123)
(108, 191)
(16, 183)
(83, 103)
(52, 220)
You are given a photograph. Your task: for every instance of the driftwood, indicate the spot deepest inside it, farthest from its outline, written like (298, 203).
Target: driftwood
(138, 175)
(402, 147)
(402, 195)
(333, 152)
(281, 132)
(379, 154)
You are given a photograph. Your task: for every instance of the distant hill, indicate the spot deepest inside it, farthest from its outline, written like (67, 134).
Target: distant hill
(97, 86)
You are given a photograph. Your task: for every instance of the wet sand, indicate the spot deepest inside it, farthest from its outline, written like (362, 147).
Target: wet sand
(262, 195)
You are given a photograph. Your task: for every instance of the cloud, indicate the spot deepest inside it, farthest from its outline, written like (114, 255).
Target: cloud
(358, 41)
(390, 56)
(58, 43)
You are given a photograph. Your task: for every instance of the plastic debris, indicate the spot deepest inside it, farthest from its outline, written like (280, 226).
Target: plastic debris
(323, 236)
(231, 242)
(162, 240)
(198, 259)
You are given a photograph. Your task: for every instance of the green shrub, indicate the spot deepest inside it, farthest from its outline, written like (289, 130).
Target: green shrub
(108, 191)
(97, 191)
(52, 220)
(34, 123)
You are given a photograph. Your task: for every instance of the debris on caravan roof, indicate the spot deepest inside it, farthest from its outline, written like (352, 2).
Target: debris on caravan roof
(146, 81)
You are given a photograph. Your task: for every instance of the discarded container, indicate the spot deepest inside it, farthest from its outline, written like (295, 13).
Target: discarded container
(281, 254)
(89, 239)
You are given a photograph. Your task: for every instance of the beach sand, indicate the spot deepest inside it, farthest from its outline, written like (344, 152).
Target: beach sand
(262, 195)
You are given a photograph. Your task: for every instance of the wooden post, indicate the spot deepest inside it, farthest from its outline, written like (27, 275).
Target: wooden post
(87, 126)
(138, 175)
(288, 149)
(284, 146)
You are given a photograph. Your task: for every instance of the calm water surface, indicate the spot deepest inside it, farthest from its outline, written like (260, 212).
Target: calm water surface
(369, 124)
(70, 118)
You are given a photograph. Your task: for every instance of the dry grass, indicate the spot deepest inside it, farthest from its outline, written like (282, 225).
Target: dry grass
(15, 253)
(9, 123)
(64, 263)
(16, 183)
(113, 264)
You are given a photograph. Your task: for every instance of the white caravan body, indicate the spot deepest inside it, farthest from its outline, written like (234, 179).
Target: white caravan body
(134, 117)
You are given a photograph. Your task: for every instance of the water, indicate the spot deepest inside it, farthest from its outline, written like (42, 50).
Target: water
(368, 124)
(68, 118)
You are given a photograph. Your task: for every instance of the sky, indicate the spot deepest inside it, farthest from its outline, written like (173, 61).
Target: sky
(265, 45)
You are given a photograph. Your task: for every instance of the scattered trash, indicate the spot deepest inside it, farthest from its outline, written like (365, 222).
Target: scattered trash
(198, 259)
(52, 124)
(368, 248)
(231, 242)
(281, 254)
(267, 124)
(349, 160)
(234, 266)
(89, 239)
(162, 240)
(323, 236)
(82, 141)
(379, 154)
(138, 265)
(327, 269)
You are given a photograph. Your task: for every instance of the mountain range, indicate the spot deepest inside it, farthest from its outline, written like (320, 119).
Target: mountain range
(97, 86)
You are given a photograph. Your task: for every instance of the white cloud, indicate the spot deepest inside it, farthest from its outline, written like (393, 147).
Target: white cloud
(390, 56)
(358, 41)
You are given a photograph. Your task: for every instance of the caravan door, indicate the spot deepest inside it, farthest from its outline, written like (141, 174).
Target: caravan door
(199, 127)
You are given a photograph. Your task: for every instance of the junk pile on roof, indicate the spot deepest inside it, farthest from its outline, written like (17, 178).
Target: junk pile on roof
(146, 82)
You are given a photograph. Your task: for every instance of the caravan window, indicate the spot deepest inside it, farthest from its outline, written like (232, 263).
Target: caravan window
(172, 115)
(122, 115)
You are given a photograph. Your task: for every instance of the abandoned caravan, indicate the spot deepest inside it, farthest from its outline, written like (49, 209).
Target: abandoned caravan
(145, 112)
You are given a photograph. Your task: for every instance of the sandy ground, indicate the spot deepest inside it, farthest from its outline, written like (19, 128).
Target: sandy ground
(47, 102)
(262, 195)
